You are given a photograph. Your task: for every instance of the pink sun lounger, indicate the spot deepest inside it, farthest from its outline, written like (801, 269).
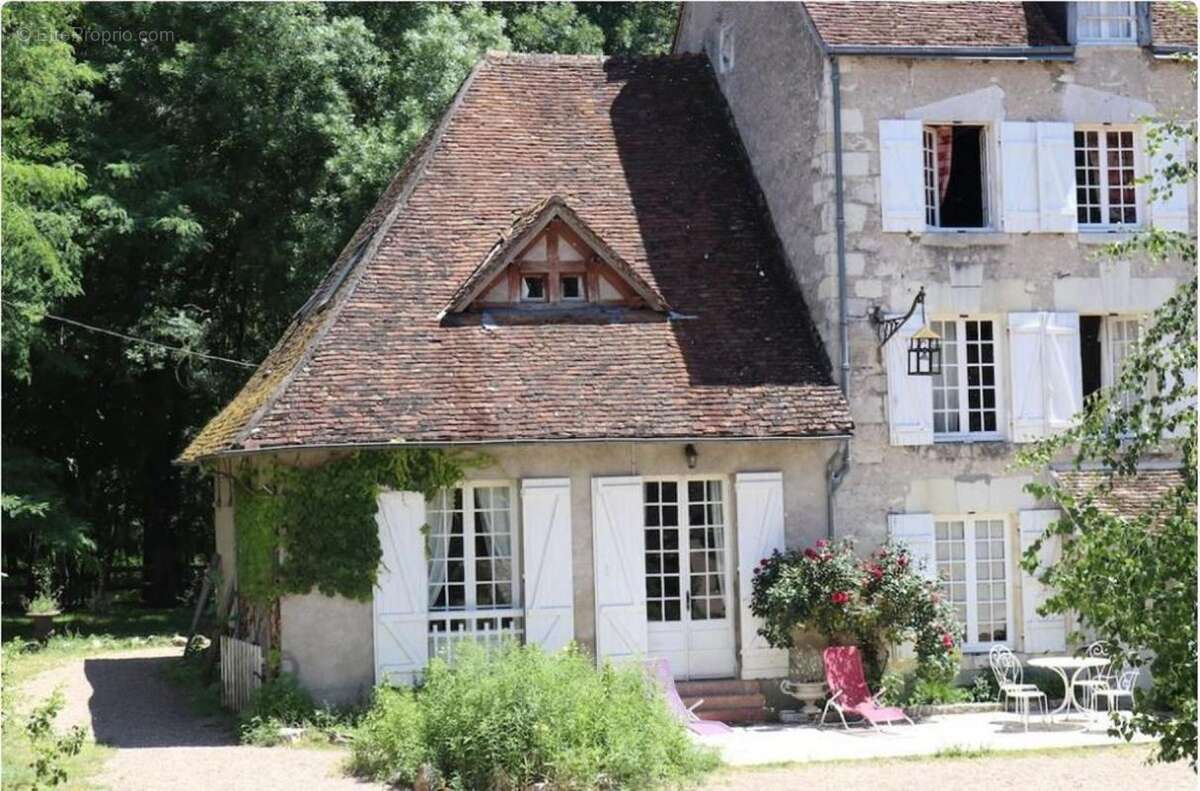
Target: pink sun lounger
(661, 668)
(848, 690)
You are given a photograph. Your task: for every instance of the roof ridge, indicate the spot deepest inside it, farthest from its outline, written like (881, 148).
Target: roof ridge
(493, 55)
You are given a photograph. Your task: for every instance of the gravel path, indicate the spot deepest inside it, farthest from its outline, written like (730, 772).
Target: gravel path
(125, 701)
(1088, 767)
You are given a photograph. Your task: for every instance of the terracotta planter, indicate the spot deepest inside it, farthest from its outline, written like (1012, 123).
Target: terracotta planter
(43, 625)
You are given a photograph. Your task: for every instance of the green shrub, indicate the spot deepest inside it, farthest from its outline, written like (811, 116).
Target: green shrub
(279, 703)
(516, 716)
(389, 744)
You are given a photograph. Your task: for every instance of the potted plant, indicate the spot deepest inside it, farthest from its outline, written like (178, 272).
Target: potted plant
(43, 608)
(807, 683)
(872, 602)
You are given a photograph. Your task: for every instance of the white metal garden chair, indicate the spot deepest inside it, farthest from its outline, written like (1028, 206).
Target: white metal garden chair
(1113, 695)
(996, 662)
(1096, 678)
(1010, 676)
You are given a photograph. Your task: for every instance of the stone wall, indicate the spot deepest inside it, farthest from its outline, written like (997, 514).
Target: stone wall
(780, 95)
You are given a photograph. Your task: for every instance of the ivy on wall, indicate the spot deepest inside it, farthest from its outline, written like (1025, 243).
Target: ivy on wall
(305, 528)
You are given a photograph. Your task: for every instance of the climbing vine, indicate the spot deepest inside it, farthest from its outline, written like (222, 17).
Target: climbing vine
(305, 528)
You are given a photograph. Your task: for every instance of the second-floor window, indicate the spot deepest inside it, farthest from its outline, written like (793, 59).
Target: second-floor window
(1105, 22)
(955, 169)
(965, 394)
(1106, 177)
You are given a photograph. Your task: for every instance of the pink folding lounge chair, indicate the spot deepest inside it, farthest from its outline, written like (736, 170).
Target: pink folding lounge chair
(666, 681)
(848, 693)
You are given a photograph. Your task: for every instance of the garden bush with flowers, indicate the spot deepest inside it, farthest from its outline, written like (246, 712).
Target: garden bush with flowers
(873, 602)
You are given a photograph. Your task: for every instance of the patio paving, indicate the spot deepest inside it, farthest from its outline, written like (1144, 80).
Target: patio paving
(988, 731)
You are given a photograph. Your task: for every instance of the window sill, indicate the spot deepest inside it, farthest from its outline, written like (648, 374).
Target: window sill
(1103, 237)
(974, 439)
(980, 238)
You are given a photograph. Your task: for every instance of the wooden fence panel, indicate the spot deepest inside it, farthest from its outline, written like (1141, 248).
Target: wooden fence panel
(241, 671)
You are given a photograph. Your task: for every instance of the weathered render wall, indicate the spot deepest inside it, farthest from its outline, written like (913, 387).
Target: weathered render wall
(780, 94)
(327, 642)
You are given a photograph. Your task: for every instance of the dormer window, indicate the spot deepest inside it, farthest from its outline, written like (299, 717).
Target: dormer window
(550, 261)
(1106, 23)
(570, 288)
(533, 288)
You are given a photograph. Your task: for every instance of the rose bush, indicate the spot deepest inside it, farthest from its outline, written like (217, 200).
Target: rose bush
(871, 602)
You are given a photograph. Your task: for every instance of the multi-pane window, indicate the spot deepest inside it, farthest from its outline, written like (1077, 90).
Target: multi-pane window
(966, 392)
(1106, 177)
(929, 159)
(663, 595)
(972, 565)
(471, 549)
(685, 550)
(706, 550)
(1107, 21)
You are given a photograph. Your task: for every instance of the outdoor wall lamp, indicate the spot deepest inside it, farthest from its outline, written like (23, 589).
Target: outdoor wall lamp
(924, 345)
(690, 453)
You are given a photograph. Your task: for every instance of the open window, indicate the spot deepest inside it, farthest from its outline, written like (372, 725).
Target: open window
(956, 182)
(1104, 344)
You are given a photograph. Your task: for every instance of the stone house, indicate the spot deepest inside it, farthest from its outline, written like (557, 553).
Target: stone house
(983, 152)
(576, 276)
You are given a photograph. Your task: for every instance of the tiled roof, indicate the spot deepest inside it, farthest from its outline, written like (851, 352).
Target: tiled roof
(643, 152)
(1129, 496)
(960, 25)
(1171, 26)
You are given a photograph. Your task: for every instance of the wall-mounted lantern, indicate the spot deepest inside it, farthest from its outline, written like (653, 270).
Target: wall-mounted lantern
(691, 454)
(924, 346)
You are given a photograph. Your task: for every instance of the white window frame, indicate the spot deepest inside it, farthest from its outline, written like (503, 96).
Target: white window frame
(969, 520)
(582, 288)
(1139, 171)
(470, 605)
(727, 513)
(991, 157)
(545, 287)
(999, 350)
(1098, 11)
(726, 49)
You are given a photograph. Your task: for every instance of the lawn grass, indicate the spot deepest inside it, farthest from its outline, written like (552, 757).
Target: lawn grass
(83, 635)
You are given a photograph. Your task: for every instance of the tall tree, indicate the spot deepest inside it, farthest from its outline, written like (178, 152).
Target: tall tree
(1132, 579)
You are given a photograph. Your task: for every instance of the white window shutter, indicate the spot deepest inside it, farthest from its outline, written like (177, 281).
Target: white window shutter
(618, 547)
(1062, 371)
(1025, 340)
(902, 175)
(1043, 634)
(1056, 178)
(1019, 176)
(401, 600)
(1170, 213)
(910, 398)
(759, 533)
(916, 531)
(546, 553)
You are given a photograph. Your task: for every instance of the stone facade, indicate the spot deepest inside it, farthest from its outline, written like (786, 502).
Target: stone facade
(780, 95)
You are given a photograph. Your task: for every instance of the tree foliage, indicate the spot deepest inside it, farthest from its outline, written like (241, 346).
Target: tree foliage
(186, 173)
(1132, 578)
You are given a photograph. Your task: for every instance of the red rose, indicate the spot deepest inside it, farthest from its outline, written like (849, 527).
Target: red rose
(947, 641)
(902, 561)
(810, 553)
(877, 572)
(764, 562)
(822, 543)
(840, 597)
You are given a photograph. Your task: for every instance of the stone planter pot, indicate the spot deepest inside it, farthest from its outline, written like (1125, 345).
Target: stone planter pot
(43, 625)
(811, 693)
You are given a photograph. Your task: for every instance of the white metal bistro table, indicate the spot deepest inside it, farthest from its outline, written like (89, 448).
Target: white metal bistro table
(1061, 665)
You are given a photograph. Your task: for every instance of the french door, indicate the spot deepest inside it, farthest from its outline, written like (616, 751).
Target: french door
(688, 598)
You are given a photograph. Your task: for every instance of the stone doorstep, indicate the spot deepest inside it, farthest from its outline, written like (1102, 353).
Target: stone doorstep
(726, 701)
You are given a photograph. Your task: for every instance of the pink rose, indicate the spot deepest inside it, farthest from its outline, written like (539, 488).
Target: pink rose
(810, 553)
(947, 641)
(902, 561)
(840, 597)
(822, 543)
